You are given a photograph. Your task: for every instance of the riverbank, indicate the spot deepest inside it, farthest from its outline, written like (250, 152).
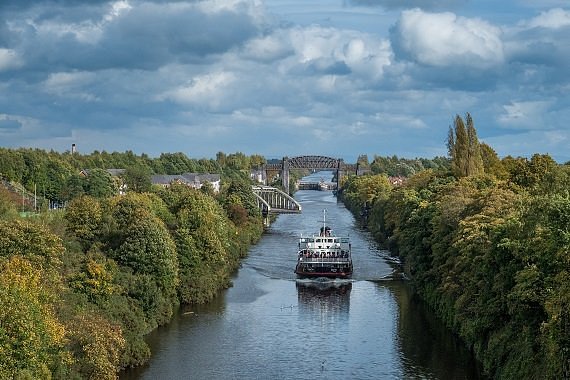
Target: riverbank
(485, 255)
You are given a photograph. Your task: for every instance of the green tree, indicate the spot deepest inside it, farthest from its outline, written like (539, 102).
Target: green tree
(74, 187)
(137, 179)
(84, 217)
(100, 184)
(464, 149)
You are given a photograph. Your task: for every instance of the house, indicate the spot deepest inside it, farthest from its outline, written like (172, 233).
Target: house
(194, 180)
(258, 176)
(397, 180)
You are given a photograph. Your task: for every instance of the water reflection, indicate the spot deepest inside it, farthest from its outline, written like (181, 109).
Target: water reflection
(324, 297)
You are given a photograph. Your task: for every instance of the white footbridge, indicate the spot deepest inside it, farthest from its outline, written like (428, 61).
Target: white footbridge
(271, 200)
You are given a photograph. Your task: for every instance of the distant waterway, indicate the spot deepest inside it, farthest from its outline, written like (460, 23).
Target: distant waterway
(270, 325)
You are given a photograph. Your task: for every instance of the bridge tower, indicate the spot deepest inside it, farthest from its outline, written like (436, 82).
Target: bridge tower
(339, 173)
(285, 174)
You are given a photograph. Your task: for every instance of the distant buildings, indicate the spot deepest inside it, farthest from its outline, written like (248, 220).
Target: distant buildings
(258, 176)
(397, 180)
(194, 180)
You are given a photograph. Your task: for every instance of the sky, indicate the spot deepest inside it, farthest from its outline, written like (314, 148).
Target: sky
(280, 78)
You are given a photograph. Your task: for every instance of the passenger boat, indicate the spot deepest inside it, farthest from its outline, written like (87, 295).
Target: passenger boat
(324, 255)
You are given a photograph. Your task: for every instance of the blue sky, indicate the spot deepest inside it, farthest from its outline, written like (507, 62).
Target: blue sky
(284, 77)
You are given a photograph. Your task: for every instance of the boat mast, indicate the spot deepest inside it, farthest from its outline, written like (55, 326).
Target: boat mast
(324, 221)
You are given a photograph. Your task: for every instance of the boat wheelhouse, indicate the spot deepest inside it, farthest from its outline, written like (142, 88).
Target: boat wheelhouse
(324, 255)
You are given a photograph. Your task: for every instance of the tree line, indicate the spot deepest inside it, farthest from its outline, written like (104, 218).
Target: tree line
(57, 176)
(81, 287)
(486, 244)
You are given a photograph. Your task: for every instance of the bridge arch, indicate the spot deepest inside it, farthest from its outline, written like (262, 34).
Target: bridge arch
(309, 162)
(314, 162)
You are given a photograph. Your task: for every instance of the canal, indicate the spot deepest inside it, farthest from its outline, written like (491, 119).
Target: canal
(270, 325)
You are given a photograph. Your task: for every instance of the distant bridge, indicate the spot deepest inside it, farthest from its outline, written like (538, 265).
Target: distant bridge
(313, 163)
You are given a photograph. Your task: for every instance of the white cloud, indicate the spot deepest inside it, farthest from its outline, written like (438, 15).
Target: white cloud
(206, 90)
(525, 114)
(326, 48)
(552, 19)
(9, 59)
(268, 48)
(445, 39)
(70, 84)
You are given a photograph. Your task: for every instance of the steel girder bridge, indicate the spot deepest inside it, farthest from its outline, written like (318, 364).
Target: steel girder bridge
(274, 201)
(312, 163)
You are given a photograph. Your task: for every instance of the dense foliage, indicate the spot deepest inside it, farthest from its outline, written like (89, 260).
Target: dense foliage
(490, 253)
(56, 176)
(395, 166)
(81, 287)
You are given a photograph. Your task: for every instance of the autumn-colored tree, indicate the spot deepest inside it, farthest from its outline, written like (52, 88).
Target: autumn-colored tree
(7, 204)
(99, 344)
(31, 337)
(84, 216)
(32, 240)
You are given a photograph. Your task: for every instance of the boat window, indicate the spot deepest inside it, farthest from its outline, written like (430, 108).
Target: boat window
(318, 240)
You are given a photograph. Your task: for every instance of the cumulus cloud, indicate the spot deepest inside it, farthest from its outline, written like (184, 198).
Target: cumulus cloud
(541, 40)
(330, 51)
(73, 85)
(268, 48)
(141, 35)
(152, 75)
(204, 90)
(552, 19)
(445, 39)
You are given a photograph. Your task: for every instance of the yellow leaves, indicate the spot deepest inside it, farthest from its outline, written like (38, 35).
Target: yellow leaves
(101, 344)
(31, 337)
(22, 237)
(84, 215)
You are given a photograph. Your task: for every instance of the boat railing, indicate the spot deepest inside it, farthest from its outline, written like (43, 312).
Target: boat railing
(324, 260)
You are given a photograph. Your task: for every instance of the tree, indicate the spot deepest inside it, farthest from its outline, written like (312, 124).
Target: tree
(491, 162)
(99, 343)
(464, 148)
(74, 187)
(31, 240)
(84, 217)
(362, 160)
(7, 205)
(31, 338)
(137, 179)
(100, 184)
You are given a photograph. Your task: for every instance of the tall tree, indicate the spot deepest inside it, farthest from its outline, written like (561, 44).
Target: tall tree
(474, 160)
(464, 148)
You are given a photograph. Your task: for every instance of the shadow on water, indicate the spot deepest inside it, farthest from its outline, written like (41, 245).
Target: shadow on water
(324, 296)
